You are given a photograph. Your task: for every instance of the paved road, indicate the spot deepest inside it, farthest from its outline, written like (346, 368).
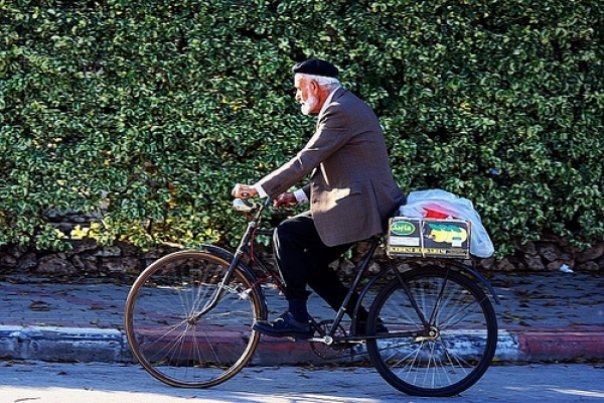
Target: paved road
(94, 383)
(542, 317)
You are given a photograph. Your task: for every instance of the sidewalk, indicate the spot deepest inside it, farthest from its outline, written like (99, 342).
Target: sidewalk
(542, 317)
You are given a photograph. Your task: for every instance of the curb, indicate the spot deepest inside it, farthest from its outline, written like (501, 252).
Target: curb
(561, 346)
(70, 344)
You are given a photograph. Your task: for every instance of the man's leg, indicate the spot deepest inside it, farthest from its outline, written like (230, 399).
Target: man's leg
(293, 242)
(299, 252)
(304, 259)
(327, 284)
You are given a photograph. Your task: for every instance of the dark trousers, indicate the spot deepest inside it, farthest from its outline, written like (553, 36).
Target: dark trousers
(303, 259)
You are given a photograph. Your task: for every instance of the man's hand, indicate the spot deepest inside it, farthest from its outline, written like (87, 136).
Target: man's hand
(243, 191)
(285, 200)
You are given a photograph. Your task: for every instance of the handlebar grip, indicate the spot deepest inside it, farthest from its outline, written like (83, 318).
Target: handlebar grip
(244, 205)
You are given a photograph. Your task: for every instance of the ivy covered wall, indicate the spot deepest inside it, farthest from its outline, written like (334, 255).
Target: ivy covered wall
(147, 112)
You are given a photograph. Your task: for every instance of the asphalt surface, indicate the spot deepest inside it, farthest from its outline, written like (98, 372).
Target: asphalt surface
(543, 317)
(101, 383)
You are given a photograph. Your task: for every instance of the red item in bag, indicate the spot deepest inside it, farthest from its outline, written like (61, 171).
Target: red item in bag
(429, 213)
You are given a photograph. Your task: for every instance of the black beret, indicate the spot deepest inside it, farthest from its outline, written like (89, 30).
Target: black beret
(316, 67)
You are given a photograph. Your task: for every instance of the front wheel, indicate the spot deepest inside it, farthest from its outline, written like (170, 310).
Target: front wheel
(167, 335)
(447, 332)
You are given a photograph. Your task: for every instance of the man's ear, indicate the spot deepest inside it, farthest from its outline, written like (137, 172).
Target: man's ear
(314, 86)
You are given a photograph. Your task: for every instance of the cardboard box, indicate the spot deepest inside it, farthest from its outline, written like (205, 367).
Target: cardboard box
(428, 237)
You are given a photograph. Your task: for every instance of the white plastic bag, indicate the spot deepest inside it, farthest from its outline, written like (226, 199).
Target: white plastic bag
(447, 203)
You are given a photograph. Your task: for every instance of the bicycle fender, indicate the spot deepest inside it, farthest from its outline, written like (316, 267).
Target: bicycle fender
(247, 271)
(368, 286)
(363, 294)
(461, 267)
(477, 276)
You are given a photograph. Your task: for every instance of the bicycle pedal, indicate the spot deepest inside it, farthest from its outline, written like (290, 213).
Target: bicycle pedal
(295, 338)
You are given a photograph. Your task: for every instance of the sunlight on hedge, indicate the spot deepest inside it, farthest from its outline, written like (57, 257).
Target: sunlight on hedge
(149, 112)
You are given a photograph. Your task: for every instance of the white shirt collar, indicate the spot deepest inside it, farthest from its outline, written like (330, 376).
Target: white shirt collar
(327, 101)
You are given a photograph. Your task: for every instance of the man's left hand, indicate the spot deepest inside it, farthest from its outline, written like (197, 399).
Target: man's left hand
(286, 199)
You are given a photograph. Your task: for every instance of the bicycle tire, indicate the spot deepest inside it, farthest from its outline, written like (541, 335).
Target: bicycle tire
(166, 339)
(462, 344)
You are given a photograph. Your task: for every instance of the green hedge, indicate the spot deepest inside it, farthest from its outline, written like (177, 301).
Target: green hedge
(151, 110)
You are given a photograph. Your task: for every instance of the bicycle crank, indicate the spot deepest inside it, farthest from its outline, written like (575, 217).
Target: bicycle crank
(325, 347)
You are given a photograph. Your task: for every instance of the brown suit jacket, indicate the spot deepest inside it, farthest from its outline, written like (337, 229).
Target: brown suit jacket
(351, 192)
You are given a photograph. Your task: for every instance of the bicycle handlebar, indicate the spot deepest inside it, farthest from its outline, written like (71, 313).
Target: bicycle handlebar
(248, 206)
(244, 206)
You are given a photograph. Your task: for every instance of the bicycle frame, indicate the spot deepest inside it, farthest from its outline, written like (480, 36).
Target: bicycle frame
(245, 248)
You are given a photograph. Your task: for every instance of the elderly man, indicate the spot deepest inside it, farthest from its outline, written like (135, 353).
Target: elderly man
(351, 194)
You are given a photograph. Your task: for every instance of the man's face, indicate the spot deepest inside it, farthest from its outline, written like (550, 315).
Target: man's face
(307, 94)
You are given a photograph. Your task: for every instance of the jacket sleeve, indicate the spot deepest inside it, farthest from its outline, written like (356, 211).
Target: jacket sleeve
(331, 134)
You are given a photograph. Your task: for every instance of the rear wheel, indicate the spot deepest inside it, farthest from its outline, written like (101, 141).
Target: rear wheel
(169, 339)
(447, 353)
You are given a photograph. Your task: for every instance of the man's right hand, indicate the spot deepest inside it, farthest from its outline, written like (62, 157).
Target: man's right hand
(286, 199)
(243, 191)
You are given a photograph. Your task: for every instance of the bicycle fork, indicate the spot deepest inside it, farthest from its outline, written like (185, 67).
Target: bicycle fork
(220, 289)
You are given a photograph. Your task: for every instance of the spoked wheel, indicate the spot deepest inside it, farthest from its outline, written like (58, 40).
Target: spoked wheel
(450, 352)
(167, 335)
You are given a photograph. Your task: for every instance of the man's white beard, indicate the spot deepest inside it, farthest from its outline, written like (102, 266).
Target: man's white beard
(309, 105)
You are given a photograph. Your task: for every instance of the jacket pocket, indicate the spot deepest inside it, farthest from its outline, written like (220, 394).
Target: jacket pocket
(340, 193)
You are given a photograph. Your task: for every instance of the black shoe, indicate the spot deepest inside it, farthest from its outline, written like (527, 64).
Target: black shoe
(379, 327)
(284, 326)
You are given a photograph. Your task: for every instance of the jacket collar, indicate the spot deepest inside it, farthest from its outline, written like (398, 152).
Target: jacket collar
(327, 102)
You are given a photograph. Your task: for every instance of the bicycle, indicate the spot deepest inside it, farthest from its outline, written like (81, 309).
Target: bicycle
(441, 328)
